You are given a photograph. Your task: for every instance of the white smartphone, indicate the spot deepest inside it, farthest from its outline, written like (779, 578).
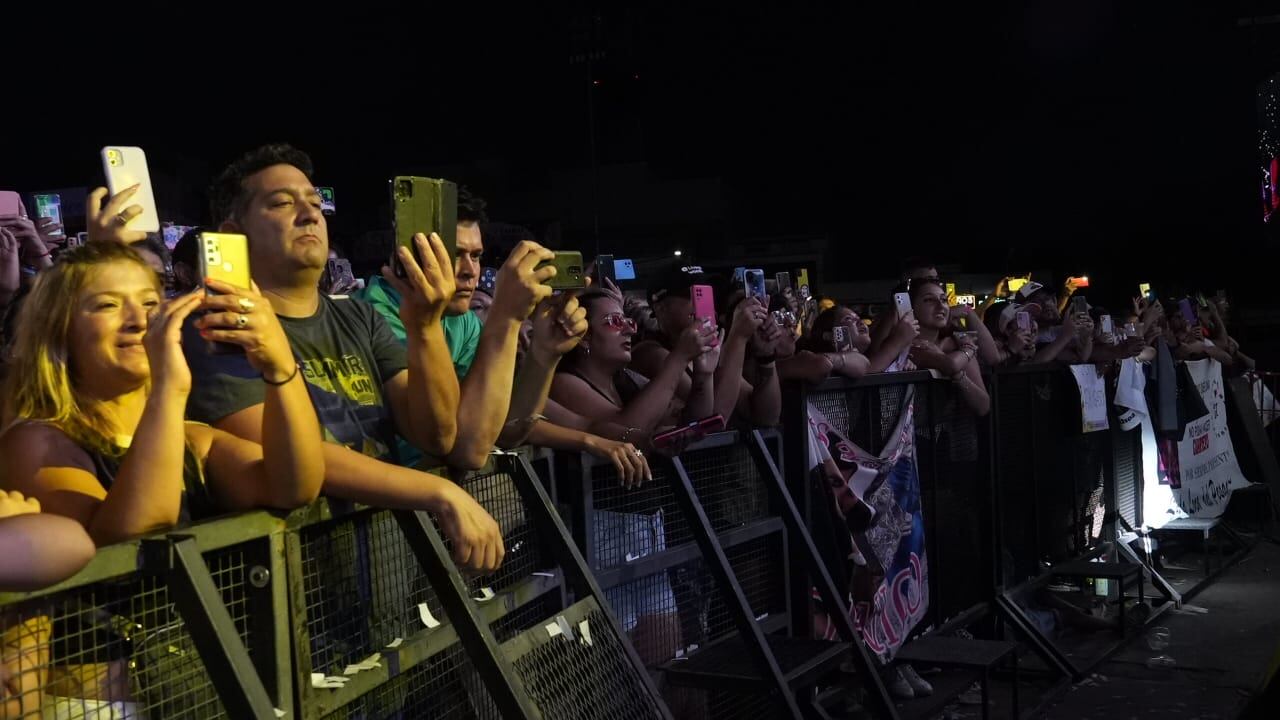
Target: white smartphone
(126, 167)
(903, 301)
(1107, 325)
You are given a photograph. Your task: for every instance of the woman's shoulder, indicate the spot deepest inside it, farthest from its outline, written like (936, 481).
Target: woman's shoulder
(37, 444)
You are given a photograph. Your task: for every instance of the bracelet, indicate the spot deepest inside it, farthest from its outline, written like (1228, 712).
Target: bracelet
(294, 374)
(530, 420)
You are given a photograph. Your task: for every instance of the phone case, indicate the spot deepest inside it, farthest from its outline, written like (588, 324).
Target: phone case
(754, 283)
(225, 257)
(784, 280)
(569, 274)
(1188, 313)
(126, 167)
(423, 205)
(704, 305)
(1107, 325)
(604, 269)
(10, 203)
(1024, 320)
(903, 302)
(49, 205)
(840, 338)
(624, 269)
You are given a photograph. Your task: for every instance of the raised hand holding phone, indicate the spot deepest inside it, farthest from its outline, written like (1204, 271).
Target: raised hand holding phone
(522, 282)
(426, 290)
(109, 222)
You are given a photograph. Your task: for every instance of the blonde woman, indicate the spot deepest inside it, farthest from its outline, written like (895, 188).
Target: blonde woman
(96, 394)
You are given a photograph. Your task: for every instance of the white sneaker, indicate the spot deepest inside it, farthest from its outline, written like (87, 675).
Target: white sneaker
(898, 685)
(919, 685)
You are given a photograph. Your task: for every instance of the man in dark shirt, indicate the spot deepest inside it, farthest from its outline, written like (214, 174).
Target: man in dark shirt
(365, 385)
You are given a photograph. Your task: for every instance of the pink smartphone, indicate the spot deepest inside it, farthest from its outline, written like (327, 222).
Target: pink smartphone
(10, 203)
(704, 303)
(692, 432)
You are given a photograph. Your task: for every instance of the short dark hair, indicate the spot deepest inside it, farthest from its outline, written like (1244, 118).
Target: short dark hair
(471, 207)
(226, 194)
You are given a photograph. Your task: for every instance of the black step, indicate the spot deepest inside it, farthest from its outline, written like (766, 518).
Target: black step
(728, 664)
(956, 652)
(1088, 569)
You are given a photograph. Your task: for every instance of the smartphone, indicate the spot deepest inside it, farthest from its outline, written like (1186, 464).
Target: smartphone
(225, 257)
(488, 280)
(1131, 330)
(49, 205)
(423, 205)
(124, 168)
(704, 304)
(950, 288)
(1188, 312)
(624, 269)
(1024, 320)
(338, 275)
(10, 204)
(692, 432)
(327, 206)
(1201, 300)
(740, 275)
(1108, 326)
(1081, 282)
(784, 281)
(903, 302)
(840, 338)
(605, 270)
(1079, 304)
(802, 283)
(753, 282)
(1144, 291)
(1015, 284)
(78, 239)
(569, 274)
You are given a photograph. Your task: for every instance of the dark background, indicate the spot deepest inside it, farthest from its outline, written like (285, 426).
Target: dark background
(1115, 139)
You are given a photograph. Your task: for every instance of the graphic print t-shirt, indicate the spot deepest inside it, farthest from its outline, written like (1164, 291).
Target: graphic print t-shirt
(346, 352)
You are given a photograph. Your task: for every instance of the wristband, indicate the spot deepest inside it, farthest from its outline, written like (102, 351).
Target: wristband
(294, 374)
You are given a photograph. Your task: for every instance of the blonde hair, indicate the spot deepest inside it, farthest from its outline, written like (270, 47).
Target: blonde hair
(39, 385)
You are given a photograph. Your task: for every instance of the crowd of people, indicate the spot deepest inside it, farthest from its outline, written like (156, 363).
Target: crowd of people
(125, 413)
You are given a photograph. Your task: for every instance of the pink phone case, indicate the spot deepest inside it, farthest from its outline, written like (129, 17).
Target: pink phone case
(10, 203)
(704, 304)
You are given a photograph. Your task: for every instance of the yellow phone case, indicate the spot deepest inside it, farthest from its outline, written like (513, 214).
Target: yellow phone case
(225, 257)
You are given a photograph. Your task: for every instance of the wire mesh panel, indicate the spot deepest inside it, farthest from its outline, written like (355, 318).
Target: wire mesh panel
(582, 673)
(632, 523)
(362, 585)
(497, 492)
(1127, 468)
(445, 687)
(110, 649)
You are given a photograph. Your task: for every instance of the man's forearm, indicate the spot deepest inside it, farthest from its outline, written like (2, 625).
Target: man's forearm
(486, 394)
(528, 398)
(433, 393)
(728, 376)
(359, 478)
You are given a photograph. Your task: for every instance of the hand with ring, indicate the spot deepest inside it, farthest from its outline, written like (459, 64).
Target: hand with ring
(109, 222)
(243, 317)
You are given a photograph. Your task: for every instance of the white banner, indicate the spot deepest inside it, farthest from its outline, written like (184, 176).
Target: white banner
(1194, 478)
(1093, 397)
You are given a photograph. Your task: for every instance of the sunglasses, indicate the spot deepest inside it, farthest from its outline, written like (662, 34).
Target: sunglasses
(619, 322)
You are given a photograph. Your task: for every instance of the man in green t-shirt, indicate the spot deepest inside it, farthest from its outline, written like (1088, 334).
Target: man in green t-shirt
(484, 355)
(366, 386)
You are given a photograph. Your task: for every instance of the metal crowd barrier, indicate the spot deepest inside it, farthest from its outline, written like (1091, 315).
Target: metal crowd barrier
(330, 612)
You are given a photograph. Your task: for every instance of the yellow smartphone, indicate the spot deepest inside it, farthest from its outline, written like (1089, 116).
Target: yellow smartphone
(224, 257)
(1015, 284)
(951, 294)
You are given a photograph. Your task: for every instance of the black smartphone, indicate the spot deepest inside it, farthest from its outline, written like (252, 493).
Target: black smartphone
(784, 281)
(423, 205)
(605, 270)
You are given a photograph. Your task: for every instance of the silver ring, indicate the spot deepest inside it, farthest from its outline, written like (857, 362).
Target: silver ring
(639, 453)
(122, 219)
(246, 304)
(242, 321)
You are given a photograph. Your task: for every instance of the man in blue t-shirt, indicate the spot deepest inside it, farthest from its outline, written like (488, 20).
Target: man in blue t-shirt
(366, 386)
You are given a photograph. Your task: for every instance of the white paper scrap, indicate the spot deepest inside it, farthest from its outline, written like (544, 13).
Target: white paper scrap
(396, 643)
(485, 594)
(564, 626)
(632, 557)
(584, 632)
(352, 669)
(370, 662)
(428, 619)
(280, 713)
(553, 629)
(321, 681)
(543, 574)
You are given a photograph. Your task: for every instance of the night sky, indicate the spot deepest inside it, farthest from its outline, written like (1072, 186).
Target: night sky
(1118, 139)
